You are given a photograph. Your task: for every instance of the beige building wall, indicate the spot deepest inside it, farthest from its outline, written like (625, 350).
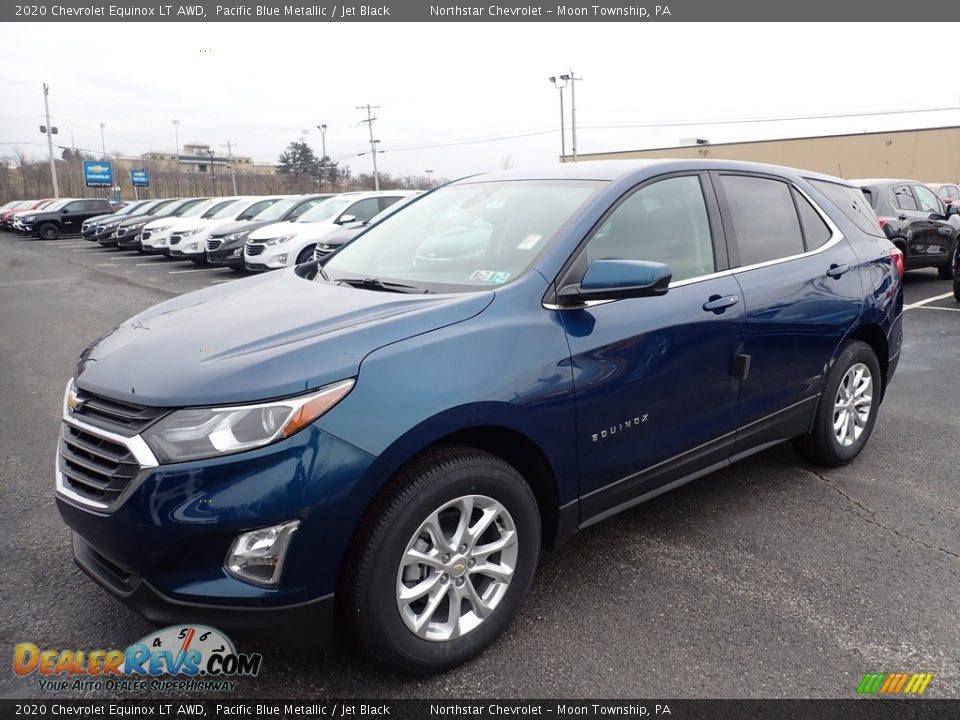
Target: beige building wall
(928, 155)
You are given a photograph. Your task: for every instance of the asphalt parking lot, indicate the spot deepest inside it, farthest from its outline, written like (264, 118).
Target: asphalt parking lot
(769, 579)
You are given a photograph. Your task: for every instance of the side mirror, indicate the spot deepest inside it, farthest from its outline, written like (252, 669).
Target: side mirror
(344, 219)
(616, 280)
(64, 210)
(952, 209)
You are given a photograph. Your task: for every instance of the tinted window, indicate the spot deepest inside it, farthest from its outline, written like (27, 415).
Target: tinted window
(101, 205)
(663, 222)
(364, 210)
(851, 202)
(764, 218)
(903, 198)
(815, 230)
(926, 200)
(76, 206)
(256, 209)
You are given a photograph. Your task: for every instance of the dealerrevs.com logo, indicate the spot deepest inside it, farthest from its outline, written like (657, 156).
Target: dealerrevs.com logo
(192, 657)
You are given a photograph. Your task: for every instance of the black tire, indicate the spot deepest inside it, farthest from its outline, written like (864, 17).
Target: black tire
(198, 259)
(956, 288)
(239, 269)
(821, 444)
(306, 255)
(370, 583)
(48, 231)
(946, 271)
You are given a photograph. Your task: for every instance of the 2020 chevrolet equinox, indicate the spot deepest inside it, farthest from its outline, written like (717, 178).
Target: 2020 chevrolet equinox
(386, 442)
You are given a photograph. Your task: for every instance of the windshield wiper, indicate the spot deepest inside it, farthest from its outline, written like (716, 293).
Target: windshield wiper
(371, 283)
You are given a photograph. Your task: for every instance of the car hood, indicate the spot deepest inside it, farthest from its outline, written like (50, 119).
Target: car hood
(102, 218)
(336, 238)
(303, 230)
(264, 337)
(135, 219)
(242, 226)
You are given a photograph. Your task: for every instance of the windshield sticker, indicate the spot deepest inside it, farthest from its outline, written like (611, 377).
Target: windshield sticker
(490, 276)
(530, 241)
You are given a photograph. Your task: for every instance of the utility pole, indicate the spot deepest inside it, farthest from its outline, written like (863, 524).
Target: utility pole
(213, 176)
(176, 135)
(373, 143)
(323, 160)
(49, 131)
(233, 174)
(103, 144)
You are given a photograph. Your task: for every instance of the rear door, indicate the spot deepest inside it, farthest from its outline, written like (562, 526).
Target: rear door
(941, 242)
(802, 293)
(656, 395)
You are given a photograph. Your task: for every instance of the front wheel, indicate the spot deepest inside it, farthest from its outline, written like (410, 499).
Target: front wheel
(443, 563)
(48, 231)
(847, 409)
(306, 255)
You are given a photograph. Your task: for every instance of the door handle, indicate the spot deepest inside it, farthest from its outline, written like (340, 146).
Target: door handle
(719, 303)
(836, 271)
(901, 217)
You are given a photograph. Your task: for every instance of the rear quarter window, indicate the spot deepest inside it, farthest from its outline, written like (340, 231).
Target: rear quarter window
(852, 203)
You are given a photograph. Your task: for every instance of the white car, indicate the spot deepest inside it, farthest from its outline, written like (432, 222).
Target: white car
(188, 238)
(287, 244)
(156, 234)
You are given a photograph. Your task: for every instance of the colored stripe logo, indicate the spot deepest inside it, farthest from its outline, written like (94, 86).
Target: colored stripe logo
(894, 683)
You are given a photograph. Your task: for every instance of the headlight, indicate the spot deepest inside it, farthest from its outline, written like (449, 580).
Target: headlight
(185, 233)
(194, 433)
(161, 229)
(234, 236)
(279, 240)
(29, 218)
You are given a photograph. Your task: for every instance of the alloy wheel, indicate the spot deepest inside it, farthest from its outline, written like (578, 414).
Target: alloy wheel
(851, 407)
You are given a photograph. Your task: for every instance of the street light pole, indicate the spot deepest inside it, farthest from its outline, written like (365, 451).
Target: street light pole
(213, 177)
(176, 135)
(573, 110)
(563, 134)
(103, 144)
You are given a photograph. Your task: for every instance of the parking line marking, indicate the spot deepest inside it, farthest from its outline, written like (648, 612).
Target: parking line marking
(921, 303)
(176, 272)
(128, 257)
(940, 308)
(155, 263)
(214, 282)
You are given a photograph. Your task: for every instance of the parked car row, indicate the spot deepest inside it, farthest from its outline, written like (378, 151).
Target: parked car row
(245, 233)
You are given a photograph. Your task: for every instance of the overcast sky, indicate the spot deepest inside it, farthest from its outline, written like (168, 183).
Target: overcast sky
(260, 85)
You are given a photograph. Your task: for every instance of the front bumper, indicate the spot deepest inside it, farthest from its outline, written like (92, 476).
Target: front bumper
(162, 545)
(282, 625)
(232, 257)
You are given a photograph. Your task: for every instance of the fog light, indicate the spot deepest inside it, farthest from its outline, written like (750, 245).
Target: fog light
(192, 246)
(238, 251)
(257, 556)
(282, 259)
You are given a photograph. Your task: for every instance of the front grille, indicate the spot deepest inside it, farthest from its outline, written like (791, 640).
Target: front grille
(256, 267)
(255, 249)
(121, 417)
(175, 238)
(94, 467)
(145, 235)
(121, 232)
(213, 244)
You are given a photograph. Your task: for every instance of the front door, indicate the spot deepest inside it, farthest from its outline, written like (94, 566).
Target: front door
(656, 388)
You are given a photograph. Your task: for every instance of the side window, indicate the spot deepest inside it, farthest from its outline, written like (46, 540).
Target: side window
(364, 209)
(386, 202)
(852, 203)
(903, 197)
(96, 205)
(926, 200)
(764, 218)
(954, 192)
(944, 192)
(663, 222)
(76, 206)
(815, 230)
(256, 208)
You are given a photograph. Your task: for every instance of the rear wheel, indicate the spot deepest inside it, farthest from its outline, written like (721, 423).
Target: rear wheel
(444, 562)
(847, 409)
(48, 231)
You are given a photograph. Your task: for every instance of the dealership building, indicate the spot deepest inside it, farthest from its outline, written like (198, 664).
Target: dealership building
(927, 154)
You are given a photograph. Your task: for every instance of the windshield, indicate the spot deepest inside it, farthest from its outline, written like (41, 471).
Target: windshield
(214, 212)
(199, 209)
(56, 205)
(391, 209)
(325, 210)
(466, 236)
(278, 209)
(228, 210)
(181, 207)
(131, 208)
(155, 209)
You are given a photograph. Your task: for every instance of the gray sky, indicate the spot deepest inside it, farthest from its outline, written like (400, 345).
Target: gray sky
(260, 85)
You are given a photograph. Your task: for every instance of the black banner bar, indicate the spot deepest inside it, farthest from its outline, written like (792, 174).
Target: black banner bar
(854, 709)
(466, 11)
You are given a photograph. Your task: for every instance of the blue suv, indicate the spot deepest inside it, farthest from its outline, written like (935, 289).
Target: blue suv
(385, 439)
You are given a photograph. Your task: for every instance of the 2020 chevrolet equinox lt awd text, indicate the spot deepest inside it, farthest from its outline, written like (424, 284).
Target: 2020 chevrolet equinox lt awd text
(397, 439)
